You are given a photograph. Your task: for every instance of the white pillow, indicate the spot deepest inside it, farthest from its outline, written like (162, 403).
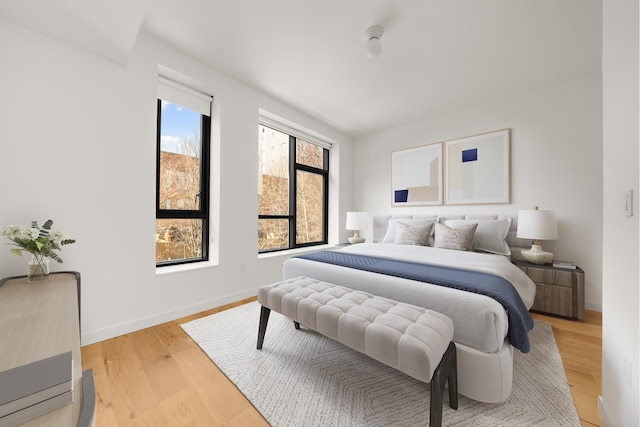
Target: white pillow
(490, 236)
(390, 236)
(413, 235)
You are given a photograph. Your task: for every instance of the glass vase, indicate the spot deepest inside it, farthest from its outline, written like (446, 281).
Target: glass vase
(37, 268)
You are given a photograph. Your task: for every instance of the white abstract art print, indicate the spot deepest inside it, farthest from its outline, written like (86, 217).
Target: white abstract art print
(478, 169)
(417, 176)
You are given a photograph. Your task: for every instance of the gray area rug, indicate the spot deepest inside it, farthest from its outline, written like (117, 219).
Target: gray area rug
(303, 378)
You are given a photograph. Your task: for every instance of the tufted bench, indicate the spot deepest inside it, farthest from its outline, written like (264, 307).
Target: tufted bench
(412, 339)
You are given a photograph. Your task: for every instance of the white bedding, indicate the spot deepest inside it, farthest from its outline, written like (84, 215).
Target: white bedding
(480, 322)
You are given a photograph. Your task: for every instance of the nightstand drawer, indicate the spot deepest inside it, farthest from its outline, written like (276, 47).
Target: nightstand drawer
(551, 277)
(553, 299)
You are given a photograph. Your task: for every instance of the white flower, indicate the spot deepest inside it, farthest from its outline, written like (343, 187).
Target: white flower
(23, 233)
(58, 236)
(33, 233)
(11, 231)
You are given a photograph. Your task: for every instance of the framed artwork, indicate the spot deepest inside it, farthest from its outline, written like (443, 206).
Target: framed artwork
(478, 169)
(417, 176)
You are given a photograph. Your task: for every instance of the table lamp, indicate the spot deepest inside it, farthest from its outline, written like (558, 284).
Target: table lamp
(537, 225)
(356, 221)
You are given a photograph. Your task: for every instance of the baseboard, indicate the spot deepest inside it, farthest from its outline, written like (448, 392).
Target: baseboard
(95, 336)
(593, 305)
(602, 413)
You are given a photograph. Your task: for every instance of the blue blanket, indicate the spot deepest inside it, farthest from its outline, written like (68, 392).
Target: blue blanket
(496, 287)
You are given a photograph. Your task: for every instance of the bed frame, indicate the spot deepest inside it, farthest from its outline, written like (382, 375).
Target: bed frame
(486, 377)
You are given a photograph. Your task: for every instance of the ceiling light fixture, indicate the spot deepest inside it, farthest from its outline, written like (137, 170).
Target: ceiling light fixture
(372, 36)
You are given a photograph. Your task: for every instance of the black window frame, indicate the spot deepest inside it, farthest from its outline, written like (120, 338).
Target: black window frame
(205, 168)
(294, 167)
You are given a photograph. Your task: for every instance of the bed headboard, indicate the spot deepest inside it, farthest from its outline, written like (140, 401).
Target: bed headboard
(380, 224)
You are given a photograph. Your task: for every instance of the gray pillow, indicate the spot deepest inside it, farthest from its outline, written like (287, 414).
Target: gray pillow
(490, 236)
(390, 235)
(413, 234)
(458, 238)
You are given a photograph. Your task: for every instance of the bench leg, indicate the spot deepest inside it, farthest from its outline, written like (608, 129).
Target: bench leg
(262, 328)
(447, 370)
(453, 379)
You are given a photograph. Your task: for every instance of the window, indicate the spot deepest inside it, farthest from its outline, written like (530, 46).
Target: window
(182, 175)
(293, 184)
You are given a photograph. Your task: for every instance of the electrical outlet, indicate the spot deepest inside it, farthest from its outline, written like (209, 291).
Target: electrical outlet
(243, 266)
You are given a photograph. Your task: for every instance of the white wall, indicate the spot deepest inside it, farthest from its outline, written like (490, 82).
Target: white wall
(77, 145)
(556, 163)
(620, 322)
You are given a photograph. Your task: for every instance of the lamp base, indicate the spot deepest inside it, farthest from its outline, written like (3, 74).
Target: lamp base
(356, 238)
(536, 255)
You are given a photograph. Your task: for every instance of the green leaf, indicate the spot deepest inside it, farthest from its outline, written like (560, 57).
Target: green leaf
(17, 251)
(54, 257)
(47, 225)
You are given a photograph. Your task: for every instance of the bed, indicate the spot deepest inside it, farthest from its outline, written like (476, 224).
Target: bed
(482, 326)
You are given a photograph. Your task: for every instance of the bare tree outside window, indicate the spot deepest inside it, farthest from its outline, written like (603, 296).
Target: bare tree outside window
(179, 235)
(309, 212)
(273, 189)
(180, 238)
(283, 200)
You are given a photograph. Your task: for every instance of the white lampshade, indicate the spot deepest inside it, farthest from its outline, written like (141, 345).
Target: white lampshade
(537, 225)
(356, 221)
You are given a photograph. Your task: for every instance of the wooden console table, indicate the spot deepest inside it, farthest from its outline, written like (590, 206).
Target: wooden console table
(40, 325)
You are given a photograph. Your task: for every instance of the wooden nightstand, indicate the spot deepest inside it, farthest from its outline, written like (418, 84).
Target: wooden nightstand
(559, 291)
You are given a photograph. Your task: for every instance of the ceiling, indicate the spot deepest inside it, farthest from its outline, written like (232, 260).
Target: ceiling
(437, 55)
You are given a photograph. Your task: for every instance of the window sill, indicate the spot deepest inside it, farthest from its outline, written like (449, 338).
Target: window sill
(292, 252)
(172, 269)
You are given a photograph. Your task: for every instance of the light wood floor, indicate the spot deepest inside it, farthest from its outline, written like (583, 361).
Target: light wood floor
(580, 345)
(160, 377)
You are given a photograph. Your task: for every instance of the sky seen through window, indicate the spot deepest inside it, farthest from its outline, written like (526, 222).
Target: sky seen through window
(179, 124)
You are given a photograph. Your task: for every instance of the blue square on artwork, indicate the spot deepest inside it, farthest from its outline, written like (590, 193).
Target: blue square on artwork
(401, 196)
(470, 155)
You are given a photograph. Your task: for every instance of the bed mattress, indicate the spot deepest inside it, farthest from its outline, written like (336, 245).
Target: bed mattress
(480, 321)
